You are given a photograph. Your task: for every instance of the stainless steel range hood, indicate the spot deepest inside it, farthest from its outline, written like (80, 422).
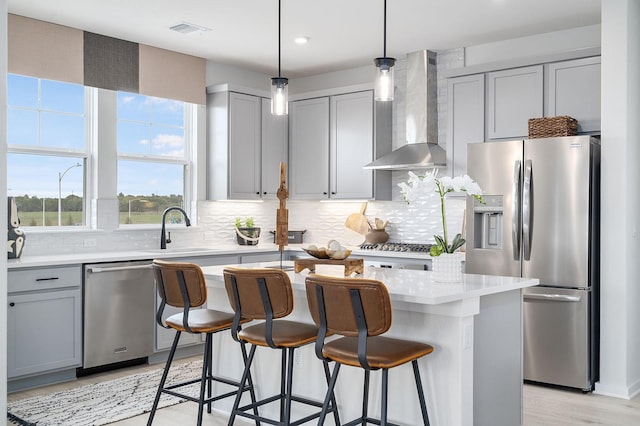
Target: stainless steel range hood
(422, 150)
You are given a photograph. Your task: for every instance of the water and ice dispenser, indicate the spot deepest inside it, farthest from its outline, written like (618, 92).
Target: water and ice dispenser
(487, 221)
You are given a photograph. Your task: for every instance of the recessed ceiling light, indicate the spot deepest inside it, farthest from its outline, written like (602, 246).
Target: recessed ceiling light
(301, 40)
(187, 28)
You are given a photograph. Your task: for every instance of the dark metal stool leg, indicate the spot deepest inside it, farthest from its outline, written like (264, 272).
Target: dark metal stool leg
(243, 380)
(385, 390)
(203, 379)
(423, 404)
(365, 398)
(164, 377)
(209, 360)
(283, 368)
(289, 390)
(336, 415)
(252, 392)
(328, 396)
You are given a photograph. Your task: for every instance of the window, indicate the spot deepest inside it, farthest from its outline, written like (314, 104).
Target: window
(152, 157)
(47, 150)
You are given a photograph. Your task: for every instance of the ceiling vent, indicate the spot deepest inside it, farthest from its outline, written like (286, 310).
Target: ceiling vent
(187, 28)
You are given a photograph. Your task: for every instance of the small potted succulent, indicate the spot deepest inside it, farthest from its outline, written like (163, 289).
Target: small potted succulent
(247, 234)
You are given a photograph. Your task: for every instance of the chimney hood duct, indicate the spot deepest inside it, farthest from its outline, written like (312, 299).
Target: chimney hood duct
(422, 150)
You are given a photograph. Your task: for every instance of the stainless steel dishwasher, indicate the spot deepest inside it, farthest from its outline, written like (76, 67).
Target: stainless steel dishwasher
(118, 312)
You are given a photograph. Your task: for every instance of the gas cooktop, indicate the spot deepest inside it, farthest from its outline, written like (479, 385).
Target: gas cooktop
(405, 247)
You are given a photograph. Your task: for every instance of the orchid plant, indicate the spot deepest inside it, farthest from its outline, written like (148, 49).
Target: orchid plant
(419, 187)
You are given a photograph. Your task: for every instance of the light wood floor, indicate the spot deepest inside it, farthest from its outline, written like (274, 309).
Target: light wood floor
(543, 406)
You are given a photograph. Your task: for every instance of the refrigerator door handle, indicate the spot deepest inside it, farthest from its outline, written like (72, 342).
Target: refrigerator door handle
(552, 297)
(526, 211)
(515, 210)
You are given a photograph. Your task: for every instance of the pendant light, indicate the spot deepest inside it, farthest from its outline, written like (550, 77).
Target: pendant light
(279, 84)
(384, 69)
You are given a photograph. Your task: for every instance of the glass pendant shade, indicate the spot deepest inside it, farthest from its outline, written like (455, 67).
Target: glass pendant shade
(279, 96)
(384, 79)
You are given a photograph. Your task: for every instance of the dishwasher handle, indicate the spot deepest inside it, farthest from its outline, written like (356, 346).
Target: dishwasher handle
(99, 269)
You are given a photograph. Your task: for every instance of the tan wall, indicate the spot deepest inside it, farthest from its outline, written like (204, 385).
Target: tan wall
(40, 49)
(45, 50)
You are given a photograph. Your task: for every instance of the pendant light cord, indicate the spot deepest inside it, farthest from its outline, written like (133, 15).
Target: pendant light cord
(384, 41)
(279, 15)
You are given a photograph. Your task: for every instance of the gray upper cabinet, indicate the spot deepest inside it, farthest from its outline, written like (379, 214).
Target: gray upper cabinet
(351, 146)
(309, 149)
(332, 138)
(275, 136)
(465, 119)
(574, 90)
(246, 145)
(513, 97)
(245, 136)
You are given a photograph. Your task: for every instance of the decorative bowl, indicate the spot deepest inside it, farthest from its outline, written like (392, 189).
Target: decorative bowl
(319, 253)
(338, 254)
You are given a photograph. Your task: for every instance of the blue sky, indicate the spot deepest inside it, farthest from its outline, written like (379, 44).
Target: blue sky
(146, 126)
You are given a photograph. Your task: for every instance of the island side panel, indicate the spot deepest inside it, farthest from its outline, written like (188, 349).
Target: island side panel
(447, 373)
(497, 370)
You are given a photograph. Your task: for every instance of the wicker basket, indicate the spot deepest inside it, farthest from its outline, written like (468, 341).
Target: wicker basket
(548, 127)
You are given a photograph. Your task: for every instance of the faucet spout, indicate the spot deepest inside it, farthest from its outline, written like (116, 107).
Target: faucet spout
(163, 235)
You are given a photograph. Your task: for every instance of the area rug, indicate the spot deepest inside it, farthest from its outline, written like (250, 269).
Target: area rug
(105, 402)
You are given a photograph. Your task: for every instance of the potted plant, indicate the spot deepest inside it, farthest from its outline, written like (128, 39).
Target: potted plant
(447, 266)
(249, 234)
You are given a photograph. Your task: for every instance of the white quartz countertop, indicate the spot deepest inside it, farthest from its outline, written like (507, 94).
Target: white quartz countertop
(53, 259)
(141, 254)
(406, 285)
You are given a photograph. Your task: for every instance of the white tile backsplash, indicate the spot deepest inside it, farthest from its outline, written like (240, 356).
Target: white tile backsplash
(215, 225)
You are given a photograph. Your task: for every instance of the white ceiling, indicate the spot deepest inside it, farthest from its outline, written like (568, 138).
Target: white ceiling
(343, 33)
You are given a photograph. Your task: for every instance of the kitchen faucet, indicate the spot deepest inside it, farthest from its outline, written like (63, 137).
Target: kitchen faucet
(163, 236)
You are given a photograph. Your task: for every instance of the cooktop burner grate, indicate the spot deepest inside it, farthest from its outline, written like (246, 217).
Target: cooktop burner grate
(406, 247)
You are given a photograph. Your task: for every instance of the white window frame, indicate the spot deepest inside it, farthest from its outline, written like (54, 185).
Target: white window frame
(186, 162)
(65, 152)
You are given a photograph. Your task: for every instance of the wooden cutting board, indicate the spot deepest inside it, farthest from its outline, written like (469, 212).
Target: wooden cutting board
(358, 221)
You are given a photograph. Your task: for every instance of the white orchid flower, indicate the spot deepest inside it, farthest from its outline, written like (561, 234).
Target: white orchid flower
(421, 187)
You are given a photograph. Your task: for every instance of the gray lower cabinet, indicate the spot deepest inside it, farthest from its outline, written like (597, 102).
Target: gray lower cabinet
(513, 97)
(262, 257)
(164, 337)
(44, 320)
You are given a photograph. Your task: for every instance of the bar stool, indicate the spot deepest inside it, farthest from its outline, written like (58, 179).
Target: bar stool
(360, 310)
(266, 294)
(183, 285)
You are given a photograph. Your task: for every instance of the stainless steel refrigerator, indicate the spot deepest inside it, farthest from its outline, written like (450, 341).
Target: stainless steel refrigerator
(541, 219)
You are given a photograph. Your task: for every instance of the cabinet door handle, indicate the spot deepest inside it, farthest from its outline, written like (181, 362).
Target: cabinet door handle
(264, 193)
(333, 193)
(258, 193)
(324, 193)
(12, 304)
(47, 279)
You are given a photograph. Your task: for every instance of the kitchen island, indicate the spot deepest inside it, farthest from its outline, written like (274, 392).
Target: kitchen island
(474, 376)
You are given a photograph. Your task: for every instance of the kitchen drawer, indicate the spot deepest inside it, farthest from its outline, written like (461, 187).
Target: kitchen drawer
(50, 277)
